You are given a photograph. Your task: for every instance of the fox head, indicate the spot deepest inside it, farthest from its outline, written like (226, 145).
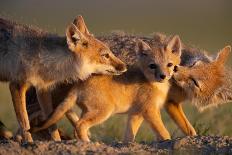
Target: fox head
(93, 55)
(206, 83)
(157, 63)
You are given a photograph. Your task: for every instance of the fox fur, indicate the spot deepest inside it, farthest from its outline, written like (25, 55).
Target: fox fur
(32, 57)
(142, 90)
(123, 47)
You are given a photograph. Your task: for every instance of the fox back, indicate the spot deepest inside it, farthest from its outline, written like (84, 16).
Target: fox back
(32, 55)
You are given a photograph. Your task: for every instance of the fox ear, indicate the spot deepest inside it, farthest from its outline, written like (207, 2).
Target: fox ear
(80, 24)
(73, 36)
(141, 47)
(223, 55)
(174, 45)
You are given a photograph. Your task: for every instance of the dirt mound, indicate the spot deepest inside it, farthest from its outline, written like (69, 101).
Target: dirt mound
(189, 145)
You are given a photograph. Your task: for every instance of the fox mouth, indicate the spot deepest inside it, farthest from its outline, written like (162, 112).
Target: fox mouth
(114, 72)
(175, 81)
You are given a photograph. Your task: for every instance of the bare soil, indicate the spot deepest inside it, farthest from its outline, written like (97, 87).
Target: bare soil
(186, 145)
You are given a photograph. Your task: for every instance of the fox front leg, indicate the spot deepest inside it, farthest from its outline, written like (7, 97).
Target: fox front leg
(152, 115)
(133, 124)
(18, 93)
(45, 101)
(176, 112)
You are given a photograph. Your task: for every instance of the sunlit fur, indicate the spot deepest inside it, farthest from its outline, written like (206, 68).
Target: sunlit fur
(207, 83)
(161, 55)
(31, 57)
(124, 47)
(136, 92)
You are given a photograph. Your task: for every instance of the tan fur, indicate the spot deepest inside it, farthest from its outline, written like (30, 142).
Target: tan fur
(27, 60)
(195, 81)
(123, 47)
(204, 83)
(140, 92)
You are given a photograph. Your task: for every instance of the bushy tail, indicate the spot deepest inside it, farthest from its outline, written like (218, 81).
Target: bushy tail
(60, 111)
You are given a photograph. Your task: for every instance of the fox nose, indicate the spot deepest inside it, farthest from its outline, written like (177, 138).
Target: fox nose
(121, 68)
(163, 76)
(175, 69)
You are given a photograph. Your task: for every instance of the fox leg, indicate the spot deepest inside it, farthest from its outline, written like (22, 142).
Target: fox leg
(72, 117)
(90, 119)
(4, 132)
(152, 115)
(133, 124)
(60, 110)
(45, 101)
(18, 93)
(177, 114)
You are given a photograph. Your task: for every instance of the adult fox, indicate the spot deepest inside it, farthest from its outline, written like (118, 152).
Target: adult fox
(194, 63)
(32, 57)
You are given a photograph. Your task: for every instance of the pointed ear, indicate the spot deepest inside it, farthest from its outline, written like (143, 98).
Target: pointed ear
(141, 47)
(223, 55)
(73, 36)
(174, 45)
(80, 24)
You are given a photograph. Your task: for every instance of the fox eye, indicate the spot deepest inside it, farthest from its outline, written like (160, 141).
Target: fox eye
(170, 64)
(193, 64)
(106, 55)
(143, 54)
(152, 66)
(195, 82)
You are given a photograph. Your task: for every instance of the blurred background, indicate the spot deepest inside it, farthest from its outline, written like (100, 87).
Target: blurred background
(206, 24)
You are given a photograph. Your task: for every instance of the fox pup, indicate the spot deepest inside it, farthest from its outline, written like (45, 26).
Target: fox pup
(32, 57)
(202, 93)
(140, 92)
(203, 80)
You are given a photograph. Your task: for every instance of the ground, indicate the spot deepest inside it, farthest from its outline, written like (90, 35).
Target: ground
(186, 145)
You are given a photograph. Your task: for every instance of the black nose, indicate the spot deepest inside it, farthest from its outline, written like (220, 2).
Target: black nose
(175, 69)
(162, 76)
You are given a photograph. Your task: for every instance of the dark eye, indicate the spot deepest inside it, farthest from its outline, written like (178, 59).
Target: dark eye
(195, 82)
(152, 66)
(85, 44)
(170, 64)
(106, 55)
(143, 54)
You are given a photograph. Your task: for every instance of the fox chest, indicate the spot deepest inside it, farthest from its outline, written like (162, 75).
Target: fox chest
(160, 94)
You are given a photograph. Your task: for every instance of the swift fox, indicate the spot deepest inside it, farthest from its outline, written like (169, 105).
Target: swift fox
(140, 92)
(193, 60)
(201, 79)
(32, 57)
(206, 84)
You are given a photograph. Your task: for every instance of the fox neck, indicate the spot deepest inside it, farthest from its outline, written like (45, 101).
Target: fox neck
(61, 64)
